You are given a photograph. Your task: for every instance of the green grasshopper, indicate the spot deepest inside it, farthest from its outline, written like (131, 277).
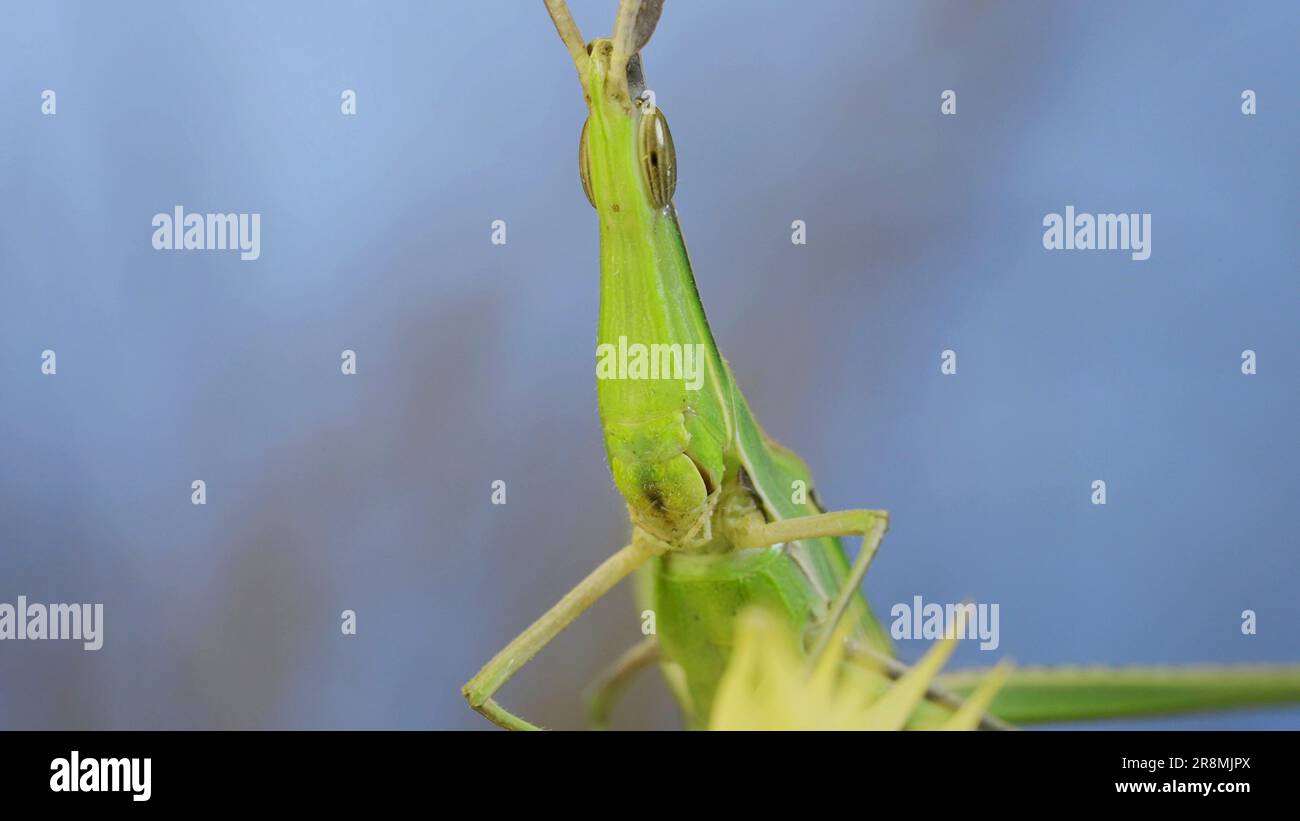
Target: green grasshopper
(722, 516)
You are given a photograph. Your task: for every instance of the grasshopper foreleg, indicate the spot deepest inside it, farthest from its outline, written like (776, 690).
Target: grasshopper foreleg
(869, 524)
(480, 689)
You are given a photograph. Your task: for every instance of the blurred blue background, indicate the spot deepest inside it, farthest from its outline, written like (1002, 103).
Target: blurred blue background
(475, 361)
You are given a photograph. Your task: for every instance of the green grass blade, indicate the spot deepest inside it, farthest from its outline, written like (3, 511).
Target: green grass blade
(1045, 694)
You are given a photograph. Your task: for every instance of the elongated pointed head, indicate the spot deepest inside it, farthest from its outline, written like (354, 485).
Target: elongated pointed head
(626, 159)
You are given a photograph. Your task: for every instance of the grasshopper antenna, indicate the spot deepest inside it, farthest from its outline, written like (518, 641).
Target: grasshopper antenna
(646, 20)
(635, 22)
(571, 35)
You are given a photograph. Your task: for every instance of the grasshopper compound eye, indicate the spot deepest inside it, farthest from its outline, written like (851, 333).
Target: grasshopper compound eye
(657, 156)
(584, 164)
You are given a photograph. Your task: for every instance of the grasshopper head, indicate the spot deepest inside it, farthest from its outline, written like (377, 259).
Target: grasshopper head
(626, 158)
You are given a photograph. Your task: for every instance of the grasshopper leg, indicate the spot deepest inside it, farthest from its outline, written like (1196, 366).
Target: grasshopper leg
(934, 693)
(869, 524)
(479, 690)
(607, 688)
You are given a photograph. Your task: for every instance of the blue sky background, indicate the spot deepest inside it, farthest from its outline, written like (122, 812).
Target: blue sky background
(475, 361)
